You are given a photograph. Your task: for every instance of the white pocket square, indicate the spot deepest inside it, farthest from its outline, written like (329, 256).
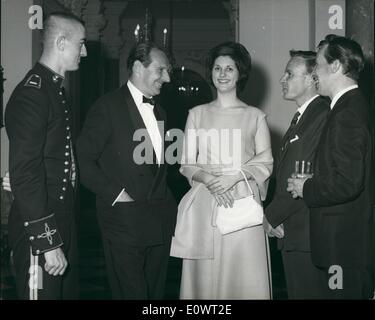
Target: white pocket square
(294, 139)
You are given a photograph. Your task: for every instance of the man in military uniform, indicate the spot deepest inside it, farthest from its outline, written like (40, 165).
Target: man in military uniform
(42, 171)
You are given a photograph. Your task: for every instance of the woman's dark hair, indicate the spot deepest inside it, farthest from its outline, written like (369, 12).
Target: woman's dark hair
(347, 51)
(238, 53)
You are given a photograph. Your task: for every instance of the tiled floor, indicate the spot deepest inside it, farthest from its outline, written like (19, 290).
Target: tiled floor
(93, 282)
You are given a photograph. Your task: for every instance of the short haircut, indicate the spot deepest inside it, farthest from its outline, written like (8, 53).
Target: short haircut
(347, 51)
(238, 53)
(309, 58)
(58, 22)
(141, 52)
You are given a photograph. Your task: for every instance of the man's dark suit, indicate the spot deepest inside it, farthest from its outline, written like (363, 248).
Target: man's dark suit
(294, 214)
(339, 195)
(105, 153)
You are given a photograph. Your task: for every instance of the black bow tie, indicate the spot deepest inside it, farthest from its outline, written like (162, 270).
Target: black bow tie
(147, 100)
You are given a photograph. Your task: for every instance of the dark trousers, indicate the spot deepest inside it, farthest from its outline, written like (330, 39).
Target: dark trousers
(301, 275)
(136, 273)
(49, 287)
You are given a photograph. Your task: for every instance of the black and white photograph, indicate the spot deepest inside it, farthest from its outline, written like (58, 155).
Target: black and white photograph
(187, 155)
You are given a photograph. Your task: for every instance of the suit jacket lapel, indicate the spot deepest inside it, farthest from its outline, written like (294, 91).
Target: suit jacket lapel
(300, 124)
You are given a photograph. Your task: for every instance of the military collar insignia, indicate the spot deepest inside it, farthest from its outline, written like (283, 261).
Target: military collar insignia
(34, 81)
(49, 75)
(55, 78)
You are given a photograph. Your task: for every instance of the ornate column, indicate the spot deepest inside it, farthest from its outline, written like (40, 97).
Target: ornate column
(127, 28)
(112, 42)
(232, 7)
(359, 26)
(74, 6)
(94, 20)
(111, 38)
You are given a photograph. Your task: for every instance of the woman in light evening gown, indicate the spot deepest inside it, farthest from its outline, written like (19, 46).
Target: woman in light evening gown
(221, 136)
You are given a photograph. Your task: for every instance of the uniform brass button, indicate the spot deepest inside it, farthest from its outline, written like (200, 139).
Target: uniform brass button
(61, 198)
(67, 146)
(37, 251)
(26, 224)
(66, 163)
(66, 111)
(67, 128)
(31, 238)
(66, 153)
(64, 188)
(66, 170)
(64, 180)
(67, 119)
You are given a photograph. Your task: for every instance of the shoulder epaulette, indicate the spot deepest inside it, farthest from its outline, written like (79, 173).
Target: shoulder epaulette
(34, 81)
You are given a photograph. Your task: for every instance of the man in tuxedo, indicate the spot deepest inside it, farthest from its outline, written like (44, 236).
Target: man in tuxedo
(286, 218)
(339, 193)
(38, 121)
(136, 210)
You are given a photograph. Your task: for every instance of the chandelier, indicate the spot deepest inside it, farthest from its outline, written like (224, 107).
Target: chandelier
(181, 78)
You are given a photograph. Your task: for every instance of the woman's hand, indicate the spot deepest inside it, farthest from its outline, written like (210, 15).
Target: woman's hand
(225, 199)
(220, 184)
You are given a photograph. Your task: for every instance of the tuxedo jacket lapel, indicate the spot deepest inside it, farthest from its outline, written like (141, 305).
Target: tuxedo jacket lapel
(160, 171)
(137, 122)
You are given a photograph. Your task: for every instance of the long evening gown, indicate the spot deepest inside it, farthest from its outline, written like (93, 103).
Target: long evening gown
(235, 265)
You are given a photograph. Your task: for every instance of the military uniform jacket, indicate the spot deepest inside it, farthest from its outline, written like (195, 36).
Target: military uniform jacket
(38, 124)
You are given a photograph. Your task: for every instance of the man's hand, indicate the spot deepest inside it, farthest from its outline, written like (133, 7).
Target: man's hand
(295, 185)
(6, 183)
(124, 197)
(55, 262)
(277, 232)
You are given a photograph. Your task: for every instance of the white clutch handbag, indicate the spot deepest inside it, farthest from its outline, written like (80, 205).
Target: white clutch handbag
(245, 213)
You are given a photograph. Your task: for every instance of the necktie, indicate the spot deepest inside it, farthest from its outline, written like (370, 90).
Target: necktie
(148, 100)
(290, 130)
